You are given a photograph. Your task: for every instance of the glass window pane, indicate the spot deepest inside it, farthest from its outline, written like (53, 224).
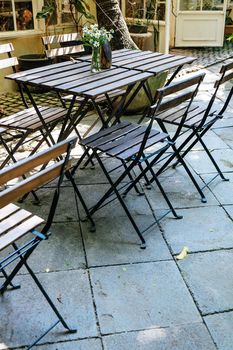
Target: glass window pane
(24, 15)
(6, 16)
(190, 5)
(66, 16)
(212, 5)
(53, 18)
(134, 8)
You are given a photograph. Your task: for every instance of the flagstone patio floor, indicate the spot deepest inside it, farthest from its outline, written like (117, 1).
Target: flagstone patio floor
(121, 297)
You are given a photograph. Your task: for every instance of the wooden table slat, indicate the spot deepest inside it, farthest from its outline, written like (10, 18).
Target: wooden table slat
(94, 80)
(49, 72)
(89, 78)
(116, 84)
(174, 64)
(141, 60)
(72, 73)
(18, 75)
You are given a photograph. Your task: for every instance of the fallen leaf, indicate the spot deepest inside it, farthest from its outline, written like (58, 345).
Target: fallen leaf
(183, 253)
(124, 268)
(47, 269)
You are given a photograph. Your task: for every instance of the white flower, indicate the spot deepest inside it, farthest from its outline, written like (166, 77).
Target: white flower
(96, 37)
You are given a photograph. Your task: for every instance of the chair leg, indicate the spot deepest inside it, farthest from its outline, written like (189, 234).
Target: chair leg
(13, 286)
(114, 188)
(53, 307)
(23, 262)
(212, 160)
(162, 191)
(70, 178)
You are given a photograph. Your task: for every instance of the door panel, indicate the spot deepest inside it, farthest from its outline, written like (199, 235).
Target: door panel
(200, 29)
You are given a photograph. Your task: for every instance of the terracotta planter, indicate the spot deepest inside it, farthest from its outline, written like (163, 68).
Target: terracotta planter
(228, 29)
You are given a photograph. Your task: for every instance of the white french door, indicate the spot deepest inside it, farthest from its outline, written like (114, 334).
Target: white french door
(200, 23)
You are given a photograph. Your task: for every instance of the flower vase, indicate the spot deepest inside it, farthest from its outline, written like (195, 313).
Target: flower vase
(105, 56)
(95, 61)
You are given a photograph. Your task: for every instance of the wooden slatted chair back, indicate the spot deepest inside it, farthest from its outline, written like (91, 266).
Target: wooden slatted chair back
(62, 45)
(226, 72)
(6, 50)
(172, 99)
(176, 93)
(35, 178)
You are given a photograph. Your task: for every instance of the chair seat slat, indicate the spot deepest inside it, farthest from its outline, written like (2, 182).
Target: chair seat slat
(115, 135)
(8, 210)
(130, 152)
(14, 220)
(20, 231)
(104, 132)
(129, 143)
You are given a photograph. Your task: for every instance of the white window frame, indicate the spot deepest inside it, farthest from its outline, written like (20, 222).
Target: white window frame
(38, 25)
(130, 19)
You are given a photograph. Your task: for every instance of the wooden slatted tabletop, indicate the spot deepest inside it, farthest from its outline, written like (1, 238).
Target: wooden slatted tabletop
(76, 78)
(145, 61)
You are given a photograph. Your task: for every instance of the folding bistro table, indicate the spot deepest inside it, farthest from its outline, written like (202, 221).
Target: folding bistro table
(74, 77)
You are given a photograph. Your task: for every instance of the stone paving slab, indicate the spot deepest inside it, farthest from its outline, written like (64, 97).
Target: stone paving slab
(116, 242)
(225, 131)
(25, 315)
(208, 276)
(229, 210)
(85, 344)
(180, 190)
(66, 209)
(220, 326)
(141, 296)
(201, 164)
(96, 175)
(223, 190)
(211, 140)
(136, 204)
(200, 229)
(62, 251)
(191, 336)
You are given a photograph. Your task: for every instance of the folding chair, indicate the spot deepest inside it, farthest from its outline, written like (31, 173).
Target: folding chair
(29, 123)
(63, 45)
(198, 120)
(128, 143)
(173, 102)
(16, 223)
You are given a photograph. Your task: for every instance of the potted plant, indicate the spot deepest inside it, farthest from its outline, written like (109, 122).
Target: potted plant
(46, 13)
(136, 25)
(228, 23)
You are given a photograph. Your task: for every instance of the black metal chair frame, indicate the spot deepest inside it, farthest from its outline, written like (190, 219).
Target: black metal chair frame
(206, 117)
(46, 173)
(127, 142)
(23, 129)
(175, 94)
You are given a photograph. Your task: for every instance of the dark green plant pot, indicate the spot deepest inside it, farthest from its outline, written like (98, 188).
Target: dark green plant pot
(141, 101)
(137, 28)
(33, 61)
